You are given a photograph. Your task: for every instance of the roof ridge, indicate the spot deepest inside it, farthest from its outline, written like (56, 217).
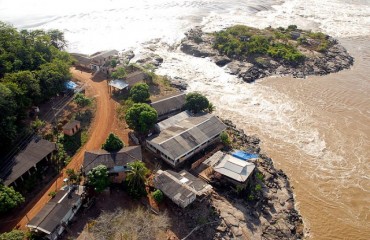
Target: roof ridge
(188, 129)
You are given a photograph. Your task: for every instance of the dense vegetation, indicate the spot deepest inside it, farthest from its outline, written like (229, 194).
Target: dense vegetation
(140, 93)
(196, 102)
(9, 198)
(13, 235)
(280, 44)
(141, 117)
(98, 178)
(33, 68)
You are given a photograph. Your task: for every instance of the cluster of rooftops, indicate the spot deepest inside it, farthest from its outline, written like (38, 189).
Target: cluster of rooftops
(179, 136)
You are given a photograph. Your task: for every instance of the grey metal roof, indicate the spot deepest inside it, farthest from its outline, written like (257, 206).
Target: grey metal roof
(187, 134)
(118, 83)
(231, 166)
(71, 124)
(34, 152)
(102, 55)
(169, 104)
(111, 159)
(172, 188)
(135, 77)
(196, 185)
(51, 215)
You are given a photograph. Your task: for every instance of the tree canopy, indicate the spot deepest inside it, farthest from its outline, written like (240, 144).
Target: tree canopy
(135, 178)
(12, 235)
(141, 117)
(9, 198)
(32, 70)
(98, 178)
(140, 92)
(113, 143)
(196, 102)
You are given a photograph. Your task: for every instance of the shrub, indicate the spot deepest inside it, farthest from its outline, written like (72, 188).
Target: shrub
(260, 176)
(157, 195)
(225, 138)
(81, 100)
(258, 187)
(52, 194)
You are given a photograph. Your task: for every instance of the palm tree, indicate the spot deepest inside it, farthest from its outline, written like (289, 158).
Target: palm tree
(136, 176)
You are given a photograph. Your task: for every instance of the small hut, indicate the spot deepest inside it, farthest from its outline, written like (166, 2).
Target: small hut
(71, 128)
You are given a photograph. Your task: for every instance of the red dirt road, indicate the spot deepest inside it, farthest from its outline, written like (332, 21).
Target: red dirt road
(105, 121)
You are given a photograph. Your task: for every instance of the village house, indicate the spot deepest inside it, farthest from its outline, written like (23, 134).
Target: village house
(82, 60)
(99, 61)
(34, 155)
(116, 162)
(71, 127)
(182, 188)
(184, 135)
(54, 217)
(129, 81)
(169, 105)
(235, 168)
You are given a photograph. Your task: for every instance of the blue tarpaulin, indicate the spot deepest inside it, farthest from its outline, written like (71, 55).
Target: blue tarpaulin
(244, 155)
(71, 85)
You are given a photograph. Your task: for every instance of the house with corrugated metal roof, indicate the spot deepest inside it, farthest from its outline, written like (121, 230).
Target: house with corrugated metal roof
(169, 105)
(54, 217)
(34, 155)
(233, 168)
(183, 135)
(182, 188)
(116, 162)
(99, 61)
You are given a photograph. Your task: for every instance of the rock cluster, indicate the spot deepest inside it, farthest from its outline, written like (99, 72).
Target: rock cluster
(335, 59)
(272, 215)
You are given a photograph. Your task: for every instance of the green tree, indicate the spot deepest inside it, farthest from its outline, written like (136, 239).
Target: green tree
(141, 117)
(196, 102)
(98, 178)
(140, 92)
(57, 39)
(9, 198)
(81, 100)
(113, 143)
(120, 73)
(157, 195)
(136, 177)
(13, 235)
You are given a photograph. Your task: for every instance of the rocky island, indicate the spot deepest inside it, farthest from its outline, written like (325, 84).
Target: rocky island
(252, 53)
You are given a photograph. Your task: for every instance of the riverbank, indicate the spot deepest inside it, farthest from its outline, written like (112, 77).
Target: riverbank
(298, 53)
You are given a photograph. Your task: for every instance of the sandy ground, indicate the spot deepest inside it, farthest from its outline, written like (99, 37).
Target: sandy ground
(104, 122)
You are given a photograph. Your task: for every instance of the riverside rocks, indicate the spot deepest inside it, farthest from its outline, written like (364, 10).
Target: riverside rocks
(336, 58)
(270, 215)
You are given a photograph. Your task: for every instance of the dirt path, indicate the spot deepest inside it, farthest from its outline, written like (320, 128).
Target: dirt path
(104, 122)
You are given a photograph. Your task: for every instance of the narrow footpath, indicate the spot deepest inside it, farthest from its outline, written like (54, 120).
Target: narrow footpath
(104, 122)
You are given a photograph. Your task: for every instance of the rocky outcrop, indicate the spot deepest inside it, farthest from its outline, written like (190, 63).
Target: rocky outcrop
(336, 58)
(271, 214)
